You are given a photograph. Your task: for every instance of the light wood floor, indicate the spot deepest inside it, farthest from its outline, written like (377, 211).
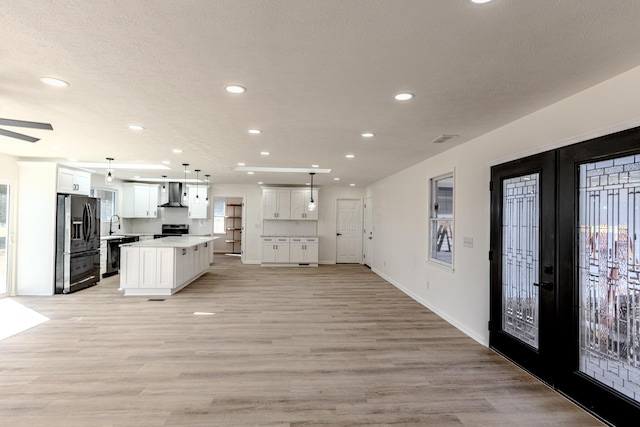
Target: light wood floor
(333, 345)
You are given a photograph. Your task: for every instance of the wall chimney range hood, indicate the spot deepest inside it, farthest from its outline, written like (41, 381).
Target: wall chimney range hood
(174, 191)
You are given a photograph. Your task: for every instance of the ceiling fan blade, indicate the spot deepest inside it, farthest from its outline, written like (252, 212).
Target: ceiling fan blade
(18, 136)
(24, 124)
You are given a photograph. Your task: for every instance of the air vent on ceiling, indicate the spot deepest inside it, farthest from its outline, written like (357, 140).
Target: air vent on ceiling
(443, 138)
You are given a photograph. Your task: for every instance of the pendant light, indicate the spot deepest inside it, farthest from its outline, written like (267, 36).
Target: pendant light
(206, 179)
(164, 183)
(185, 199)
(108, 178)
(197, 200)
(312, 204)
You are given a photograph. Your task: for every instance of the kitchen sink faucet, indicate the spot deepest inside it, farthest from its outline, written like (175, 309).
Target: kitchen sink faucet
(111, 222)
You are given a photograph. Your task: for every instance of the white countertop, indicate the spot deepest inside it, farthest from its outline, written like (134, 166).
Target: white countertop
(184, 241)
(280, 235)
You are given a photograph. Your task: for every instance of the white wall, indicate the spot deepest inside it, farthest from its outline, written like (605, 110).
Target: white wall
(400, 202)
(9, 176)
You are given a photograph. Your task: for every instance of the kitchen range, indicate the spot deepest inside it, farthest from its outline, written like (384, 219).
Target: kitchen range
(77, 243)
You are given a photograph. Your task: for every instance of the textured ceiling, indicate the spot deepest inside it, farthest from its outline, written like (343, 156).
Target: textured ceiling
(318, 73)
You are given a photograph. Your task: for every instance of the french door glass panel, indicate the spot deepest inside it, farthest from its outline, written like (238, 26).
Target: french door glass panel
(4, 238)
(520, 257)
(609, 269)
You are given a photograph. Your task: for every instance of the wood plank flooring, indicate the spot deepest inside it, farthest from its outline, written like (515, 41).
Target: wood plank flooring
(328, 346)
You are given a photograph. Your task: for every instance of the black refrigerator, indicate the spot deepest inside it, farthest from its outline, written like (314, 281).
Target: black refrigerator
(77, 243)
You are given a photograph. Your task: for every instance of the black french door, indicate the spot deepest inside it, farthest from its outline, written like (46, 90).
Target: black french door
(523, 284)
(565, 271)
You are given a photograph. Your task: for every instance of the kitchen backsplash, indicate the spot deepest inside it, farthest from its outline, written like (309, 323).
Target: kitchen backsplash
(154, 225)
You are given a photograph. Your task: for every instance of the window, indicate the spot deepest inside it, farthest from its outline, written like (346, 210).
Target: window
(107, 202)
(441, 220)
(219, 210)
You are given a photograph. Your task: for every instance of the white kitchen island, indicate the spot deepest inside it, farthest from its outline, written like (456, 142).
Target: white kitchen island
(164, 266)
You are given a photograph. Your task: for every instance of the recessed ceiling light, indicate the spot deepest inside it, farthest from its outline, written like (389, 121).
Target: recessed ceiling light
(54, 82)
(235, 89)
(260, 182)
(404, 96)
(136, 127)
(350, 156)
(480, 1)
(367, 135)
(264, 153)
(255, 131)
(177, 150)
(315, 166)
(249, 173)
(136, 176)
(166, 162)
(203, 313)
(352, 185)
(241, 164)
(336, 179)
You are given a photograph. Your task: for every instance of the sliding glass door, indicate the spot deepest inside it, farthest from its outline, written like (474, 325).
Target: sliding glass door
(4, 239)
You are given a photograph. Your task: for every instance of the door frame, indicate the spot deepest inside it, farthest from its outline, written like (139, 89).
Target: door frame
(367, 232)
(360, 221)
(10, 246)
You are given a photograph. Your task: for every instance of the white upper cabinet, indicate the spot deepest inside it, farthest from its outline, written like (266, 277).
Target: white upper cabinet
(72, 181)
(300, 204)
(198, 208)
(276, 203)
(290, 203)
(139, 200)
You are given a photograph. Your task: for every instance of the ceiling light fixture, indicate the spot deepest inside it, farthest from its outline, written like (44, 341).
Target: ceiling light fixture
(336, 179)
(312, 204)
(185, 199)
(164, 183)
(177, 150)
(264, 153)
(206, 179)
(255, 131)
(404, 96)
(136, 127)
(108, 178)
(367, 135)
(197, 201)
(235, 89)
(350, 156)
(250, 173)
(51, 81)
(315, 166)
(241, 164)
(480, 1)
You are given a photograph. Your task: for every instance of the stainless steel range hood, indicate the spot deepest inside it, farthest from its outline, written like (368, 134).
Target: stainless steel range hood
(174, 190)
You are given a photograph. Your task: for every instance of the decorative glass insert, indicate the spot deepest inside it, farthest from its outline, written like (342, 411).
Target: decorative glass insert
(609, 269)
(442, 219)
(4, 237)
(520, 257)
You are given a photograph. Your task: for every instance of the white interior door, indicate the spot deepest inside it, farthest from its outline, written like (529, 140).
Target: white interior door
(349, 231)
(368, 232)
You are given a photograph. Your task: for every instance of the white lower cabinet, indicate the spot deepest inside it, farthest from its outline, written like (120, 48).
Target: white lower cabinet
(304, 250)
(292, 251)
(162, 270)
(275, 250)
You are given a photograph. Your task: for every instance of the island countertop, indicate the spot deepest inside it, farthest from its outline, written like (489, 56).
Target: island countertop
(184, 241)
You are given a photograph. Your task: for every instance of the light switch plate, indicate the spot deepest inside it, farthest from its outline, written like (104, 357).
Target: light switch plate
(467, 242)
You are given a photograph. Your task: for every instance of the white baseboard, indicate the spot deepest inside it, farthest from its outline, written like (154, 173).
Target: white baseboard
(472, 334)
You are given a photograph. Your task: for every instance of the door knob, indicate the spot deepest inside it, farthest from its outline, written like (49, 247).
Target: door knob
(338, 234)
(544, 285)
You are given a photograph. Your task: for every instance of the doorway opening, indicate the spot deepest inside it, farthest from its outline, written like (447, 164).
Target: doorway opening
(4, 239)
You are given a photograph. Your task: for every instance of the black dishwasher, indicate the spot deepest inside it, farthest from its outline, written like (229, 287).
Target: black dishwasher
(113, 253)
